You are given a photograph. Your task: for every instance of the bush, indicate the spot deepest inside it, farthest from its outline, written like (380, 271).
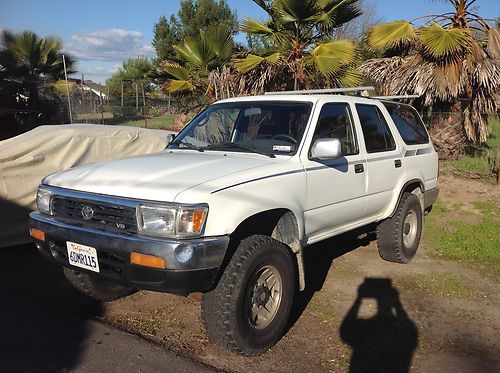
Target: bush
(124, 112)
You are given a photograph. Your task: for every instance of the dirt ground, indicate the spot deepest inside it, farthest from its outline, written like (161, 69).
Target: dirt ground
(358, 313)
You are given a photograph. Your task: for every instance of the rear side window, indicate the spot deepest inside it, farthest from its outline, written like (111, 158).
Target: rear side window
(408, 122)
(376, 133)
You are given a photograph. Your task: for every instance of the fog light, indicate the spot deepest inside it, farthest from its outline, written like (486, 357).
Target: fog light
(184, 253)
(148, 260)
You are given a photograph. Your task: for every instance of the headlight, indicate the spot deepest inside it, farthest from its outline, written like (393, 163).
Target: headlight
(43, 200)
(171, 220)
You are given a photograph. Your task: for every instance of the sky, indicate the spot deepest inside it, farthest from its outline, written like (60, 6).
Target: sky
(101, 34)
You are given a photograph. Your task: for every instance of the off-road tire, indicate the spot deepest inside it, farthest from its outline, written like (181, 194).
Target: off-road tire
(95, 287)
(226, 310)
(391, 232)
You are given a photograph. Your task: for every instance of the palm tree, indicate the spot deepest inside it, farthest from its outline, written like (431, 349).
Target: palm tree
(300, 32)
(27, 57)
(202, 55)
(452, 61)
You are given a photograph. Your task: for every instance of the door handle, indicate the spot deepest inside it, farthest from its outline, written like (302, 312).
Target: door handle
(397, 163)
(358, 168)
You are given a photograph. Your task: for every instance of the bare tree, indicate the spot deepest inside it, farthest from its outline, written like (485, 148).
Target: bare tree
(356, 28)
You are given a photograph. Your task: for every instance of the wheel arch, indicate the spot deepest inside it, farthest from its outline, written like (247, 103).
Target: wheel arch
(414, 186)
(280, 224)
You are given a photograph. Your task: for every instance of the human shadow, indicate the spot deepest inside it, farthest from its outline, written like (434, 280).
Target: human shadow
(385, 341)
(318, 259)
(43, 321)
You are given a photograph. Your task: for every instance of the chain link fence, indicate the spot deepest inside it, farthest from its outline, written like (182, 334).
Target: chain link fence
(26, 105)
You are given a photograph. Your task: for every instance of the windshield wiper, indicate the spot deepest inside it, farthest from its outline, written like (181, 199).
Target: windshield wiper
(237, 145)
(188, 145)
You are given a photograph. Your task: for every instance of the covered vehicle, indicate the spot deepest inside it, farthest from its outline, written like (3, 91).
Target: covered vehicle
(27, 158)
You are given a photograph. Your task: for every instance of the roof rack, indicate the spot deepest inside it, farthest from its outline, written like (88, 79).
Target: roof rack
(323, 91)
(396, 97)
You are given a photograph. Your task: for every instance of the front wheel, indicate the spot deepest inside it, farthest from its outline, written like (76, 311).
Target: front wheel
(248, 311)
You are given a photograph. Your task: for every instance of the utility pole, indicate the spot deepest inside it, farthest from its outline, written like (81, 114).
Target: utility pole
(144, 105)
(67, 89)
(136, 96)
(122, 93)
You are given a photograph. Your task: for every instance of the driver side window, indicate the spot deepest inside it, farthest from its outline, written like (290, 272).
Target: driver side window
(335, 122)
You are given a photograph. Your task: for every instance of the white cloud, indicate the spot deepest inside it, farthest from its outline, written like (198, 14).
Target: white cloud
(99, 71)
(109, 45)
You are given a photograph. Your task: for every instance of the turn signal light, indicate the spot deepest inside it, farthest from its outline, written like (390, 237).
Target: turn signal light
(39, 235)
(148, 261)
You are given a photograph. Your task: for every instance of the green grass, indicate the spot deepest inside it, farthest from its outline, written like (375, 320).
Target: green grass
(92, 117)
(462, 241)
(479, 160)
(446, 284)
(164, 121)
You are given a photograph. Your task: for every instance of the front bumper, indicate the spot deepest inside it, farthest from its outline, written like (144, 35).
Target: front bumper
(113, 252)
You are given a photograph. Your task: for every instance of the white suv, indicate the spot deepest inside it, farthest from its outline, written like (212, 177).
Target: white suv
(229, 206)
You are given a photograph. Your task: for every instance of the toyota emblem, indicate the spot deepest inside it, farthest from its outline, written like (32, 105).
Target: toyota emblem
(87, 212)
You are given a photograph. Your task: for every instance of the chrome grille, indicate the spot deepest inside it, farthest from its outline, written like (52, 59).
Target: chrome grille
(105, 215)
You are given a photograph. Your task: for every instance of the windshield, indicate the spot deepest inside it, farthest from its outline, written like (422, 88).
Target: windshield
(266, 127)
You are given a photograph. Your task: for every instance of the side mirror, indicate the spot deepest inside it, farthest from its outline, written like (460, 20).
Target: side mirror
(323, 149)
(170, 138)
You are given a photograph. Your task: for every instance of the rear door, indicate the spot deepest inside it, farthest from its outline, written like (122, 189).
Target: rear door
(383, 159)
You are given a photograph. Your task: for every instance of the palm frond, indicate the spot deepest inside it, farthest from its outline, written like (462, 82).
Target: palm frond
(252, 61)
(336, 13)
(330, 57)
(174, 70)
(494, 43)
(442, 42)
(296, 11)
(179, 85)
(220, 41)
(254, 26)
(351, 77)
(196, 52)
(391, 35)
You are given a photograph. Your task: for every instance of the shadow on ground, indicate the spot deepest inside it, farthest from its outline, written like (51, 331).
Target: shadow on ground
(318, 259)
(37, 333)
(385, 339)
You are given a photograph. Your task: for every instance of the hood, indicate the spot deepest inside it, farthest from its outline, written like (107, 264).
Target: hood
(156, 177)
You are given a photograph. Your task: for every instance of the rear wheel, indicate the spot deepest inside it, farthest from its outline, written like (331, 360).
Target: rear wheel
(248, 311)
(399, 236)
(95, 287)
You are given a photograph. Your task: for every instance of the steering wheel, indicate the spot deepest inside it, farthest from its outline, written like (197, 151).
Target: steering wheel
(282, 136)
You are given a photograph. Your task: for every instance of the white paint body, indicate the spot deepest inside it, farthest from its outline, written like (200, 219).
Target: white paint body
(326, 201)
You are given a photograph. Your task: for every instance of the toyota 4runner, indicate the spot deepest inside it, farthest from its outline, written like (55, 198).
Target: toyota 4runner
(230, 204)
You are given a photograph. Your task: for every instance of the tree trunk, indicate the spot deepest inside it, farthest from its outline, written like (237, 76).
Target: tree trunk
(447, 130)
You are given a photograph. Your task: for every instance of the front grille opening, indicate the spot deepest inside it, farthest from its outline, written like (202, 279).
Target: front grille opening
(103, 215)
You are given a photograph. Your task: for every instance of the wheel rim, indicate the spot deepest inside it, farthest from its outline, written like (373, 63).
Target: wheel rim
(264, 297)
(410, 227)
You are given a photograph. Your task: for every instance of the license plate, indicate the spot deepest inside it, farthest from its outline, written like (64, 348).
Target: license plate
(82, 256)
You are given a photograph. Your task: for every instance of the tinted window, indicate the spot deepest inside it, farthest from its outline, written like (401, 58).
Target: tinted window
(335, 123)
(408, 123)
(376, 133)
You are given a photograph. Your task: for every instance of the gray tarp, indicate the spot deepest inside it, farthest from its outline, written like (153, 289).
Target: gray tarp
(26, 159)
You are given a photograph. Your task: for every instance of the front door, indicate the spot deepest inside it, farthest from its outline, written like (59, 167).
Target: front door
(335, 188)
